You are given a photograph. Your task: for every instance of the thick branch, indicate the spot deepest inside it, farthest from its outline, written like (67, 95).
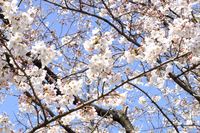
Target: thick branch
(117, 116)
(183, 85)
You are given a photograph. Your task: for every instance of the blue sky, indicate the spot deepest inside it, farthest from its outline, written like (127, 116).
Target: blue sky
(10, 106)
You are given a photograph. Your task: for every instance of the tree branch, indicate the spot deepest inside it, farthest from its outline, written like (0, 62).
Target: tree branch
(183, 85)
(158, 107)
(117, 116)
(98, 17)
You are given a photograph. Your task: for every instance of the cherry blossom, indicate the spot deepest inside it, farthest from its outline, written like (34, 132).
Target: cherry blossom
(100, 66)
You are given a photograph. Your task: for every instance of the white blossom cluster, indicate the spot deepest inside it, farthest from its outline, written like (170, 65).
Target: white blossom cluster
(44, 53)
(179, 33)
(5, 122)
(100, 65)
(131, 50)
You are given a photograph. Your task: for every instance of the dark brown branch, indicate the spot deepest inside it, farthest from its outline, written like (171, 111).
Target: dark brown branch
(189, 69)
(174, 12)
(36, 100)
(157, 106)
(117, 116)
(68, 129)
(98, 17)
(183, 85)
(64, 114)
(28, 78)
(103, 95)
(113, 17)
(5, 21)
(20, 2)
(78, 72)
